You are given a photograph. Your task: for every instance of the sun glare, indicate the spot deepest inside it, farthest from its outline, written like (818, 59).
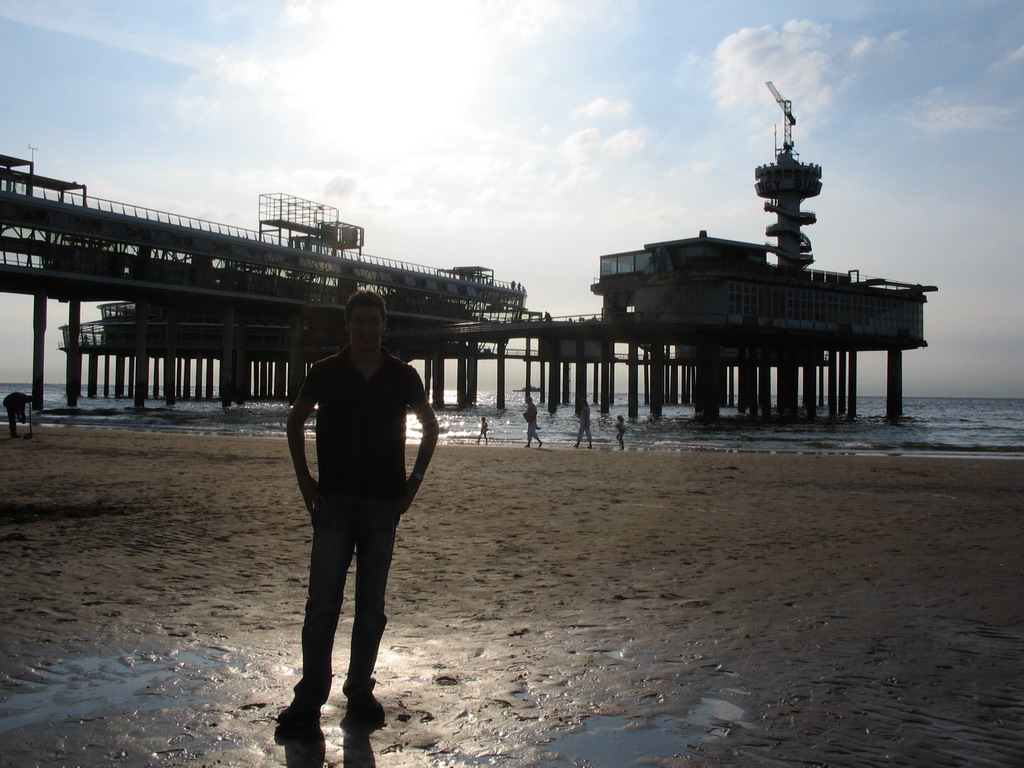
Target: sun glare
(386, 72)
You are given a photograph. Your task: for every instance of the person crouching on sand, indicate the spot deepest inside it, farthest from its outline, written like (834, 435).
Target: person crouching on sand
(15, 404)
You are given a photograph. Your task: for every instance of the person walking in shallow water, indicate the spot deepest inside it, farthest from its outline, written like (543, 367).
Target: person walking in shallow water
(620, 431)
(362, 396)
(483, 430)
(584, 426)
(531, 423)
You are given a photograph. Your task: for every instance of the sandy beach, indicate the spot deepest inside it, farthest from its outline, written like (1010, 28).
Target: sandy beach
(547, 608)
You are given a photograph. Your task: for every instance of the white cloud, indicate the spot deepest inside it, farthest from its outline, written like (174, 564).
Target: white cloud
(1017, 55)
(868, 44)
(863, 46)
(602, 107)
(297, 12)
(519, 21)
(580, 146)
(624, 144)
(588, 145)
(938, 115)
(793, 58)
(342, 186)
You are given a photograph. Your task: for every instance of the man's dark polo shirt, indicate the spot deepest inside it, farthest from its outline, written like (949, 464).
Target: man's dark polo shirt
(360, 425)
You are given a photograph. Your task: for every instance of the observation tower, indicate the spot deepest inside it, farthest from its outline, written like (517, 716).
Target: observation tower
(784, 185)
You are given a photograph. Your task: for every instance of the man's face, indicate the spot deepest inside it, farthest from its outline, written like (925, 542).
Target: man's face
(365, 328)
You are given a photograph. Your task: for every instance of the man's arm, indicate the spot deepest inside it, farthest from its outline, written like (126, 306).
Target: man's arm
(296, 431)
(428, 422)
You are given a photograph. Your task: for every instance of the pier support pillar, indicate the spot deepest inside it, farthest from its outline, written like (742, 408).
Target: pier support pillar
(607, 355)
(500, 376)
(296, 358)
(746, 400)
(834, 356)
(209, 378)
(581, 375)
(841, 381)
(707, 395)
(764, 384)
(894, 384)
(633, 381)
(171, 357)
(657, 379)
(227, 356)
(810, 396)
(474, 375)
(141, 383)
(242, 376)
(566, 382)
(93, 376)
(74, 352)
(554, 373)
(647, 375)
(38, 348)
(851, 410)
(529, 369)
(461, 379)
(438, 371)
(280, 379)
(119, 361)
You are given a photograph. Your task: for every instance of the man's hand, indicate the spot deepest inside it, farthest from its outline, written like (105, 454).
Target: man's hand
(310, 490)
(412, 485)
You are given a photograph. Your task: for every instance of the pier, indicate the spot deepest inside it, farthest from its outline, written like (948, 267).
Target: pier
(193, 308)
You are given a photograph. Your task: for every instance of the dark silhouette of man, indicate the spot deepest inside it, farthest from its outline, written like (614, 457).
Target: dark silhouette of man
(362, 396)
(15, 404)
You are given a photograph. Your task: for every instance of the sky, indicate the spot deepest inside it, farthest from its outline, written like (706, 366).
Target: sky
(534, 136)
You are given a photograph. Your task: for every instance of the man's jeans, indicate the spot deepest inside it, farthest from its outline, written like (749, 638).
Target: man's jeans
(344, 525)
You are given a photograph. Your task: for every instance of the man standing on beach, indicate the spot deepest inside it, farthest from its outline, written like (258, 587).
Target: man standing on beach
(362, 396)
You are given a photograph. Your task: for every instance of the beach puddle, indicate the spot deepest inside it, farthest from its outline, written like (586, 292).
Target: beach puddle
(82, 686)
(617, 742)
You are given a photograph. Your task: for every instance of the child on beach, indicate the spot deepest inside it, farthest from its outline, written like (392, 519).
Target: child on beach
(620, 430)
(483, 430)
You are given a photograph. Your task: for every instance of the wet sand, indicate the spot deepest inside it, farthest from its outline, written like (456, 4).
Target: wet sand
(548, 607)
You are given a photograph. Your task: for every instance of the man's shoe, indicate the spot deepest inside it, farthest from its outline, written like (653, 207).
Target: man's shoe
(299, 717)
(363, 708)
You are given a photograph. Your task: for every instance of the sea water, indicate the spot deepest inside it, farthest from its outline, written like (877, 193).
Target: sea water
(930, 426)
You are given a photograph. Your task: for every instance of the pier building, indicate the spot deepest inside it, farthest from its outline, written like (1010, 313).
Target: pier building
(741, 321)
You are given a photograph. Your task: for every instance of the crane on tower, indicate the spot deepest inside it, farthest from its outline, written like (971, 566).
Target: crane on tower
(787, 110)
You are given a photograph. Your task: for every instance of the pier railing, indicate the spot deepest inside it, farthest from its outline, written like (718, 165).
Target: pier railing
(269, 238)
